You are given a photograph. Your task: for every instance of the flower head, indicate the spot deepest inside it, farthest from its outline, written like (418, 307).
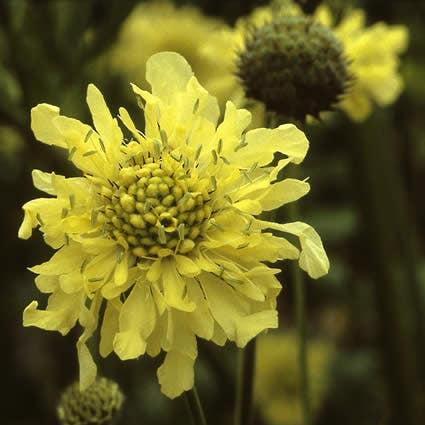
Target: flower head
(162, 227)
(371, 52)
(96, 405)
(157, 26)
(294, 65)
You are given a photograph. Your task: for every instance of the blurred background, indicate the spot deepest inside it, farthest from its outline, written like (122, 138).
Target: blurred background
(366, 321)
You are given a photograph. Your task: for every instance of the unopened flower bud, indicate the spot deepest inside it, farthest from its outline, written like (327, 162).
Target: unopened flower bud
(98, 404)
(295, 66)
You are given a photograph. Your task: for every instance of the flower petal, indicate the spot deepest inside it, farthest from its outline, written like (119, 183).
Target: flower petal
(42, 125)
(168, 74)
(176, 374)
(106, 126)
(262, 143)
(60, 315)
(136, 322)
(109, 327)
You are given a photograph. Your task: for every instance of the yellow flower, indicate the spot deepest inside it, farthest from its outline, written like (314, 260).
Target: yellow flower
(160, 26)
(372, 52)
(162, 226)
(277, 381)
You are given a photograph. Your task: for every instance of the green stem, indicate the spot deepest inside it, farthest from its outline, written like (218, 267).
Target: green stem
(194, 406)
(378, 181)
(300, 310)
(245, 385)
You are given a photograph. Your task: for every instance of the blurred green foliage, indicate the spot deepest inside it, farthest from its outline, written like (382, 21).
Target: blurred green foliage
(366, 202)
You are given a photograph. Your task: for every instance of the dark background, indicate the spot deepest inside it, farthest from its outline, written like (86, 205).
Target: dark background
(367, 203)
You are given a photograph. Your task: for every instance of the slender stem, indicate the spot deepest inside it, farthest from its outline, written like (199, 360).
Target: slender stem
(300, 310)
(245, 385)
(298, 281)
(194, 406)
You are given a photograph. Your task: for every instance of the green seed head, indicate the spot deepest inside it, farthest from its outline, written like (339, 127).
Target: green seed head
(295, 66)
(98, 404)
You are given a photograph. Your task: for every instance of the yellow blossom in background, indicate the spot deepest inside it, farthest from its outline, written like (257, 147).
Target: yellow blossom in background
(373, 53)
(277, 381)
(162, 229)
(161, 26)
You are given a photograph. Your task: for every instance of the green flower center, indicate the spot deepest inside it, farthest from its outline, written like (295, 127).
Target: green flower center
(158, 207)
(98, 404)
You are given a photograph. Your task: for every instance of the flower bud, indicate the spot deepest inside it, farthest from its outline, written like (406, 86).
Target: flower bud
(98, 404)
(295, 66)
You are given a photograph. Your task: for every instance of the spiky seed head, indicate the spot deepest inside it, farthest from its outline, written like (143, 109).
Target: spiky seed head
(98, 404)
(295, 66)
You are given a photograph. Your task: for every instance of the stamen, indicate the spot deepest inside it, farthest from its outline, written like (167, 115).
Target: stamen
(220, 146)
(72, 152)
(93, 218)
(241, 145)
(102, 145)
(164, 137)
(88, 135)
(71, 200)
(180, 231)
(225, 160)
(215, 157)
(196, 106)
(88, 153)
(84, 265)
(198, 152)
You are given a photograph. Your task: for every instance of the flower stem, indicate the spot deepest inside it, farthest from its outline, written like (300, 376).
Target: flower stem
(245, 385)
(300, 310)
(194, 406)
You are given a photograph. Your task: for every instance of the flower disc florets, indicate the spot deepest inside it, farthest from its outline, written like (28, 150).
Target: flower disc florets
(96, 405)
(158, 205)
(295, 66)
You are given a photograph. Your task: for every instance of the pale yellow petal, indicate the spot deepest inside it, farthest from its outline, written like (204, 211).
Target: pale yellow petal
(71, 282)
(323, 15)
(168, 74)
(128, 122)
(66, 260)
(88, 368)
(283, 192)
(109, 327)
(176, 374)
(262, 143)
(105, 124)
(136, 322)
(47, 284)
(252, 325)
(25, 229)
(180, 336)
(44, 130)
(60, 315)
(226, 306)
(186, 266)
(313, 258)
(43, 181)
(174, 288)
(129, 345)
(200, 321)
